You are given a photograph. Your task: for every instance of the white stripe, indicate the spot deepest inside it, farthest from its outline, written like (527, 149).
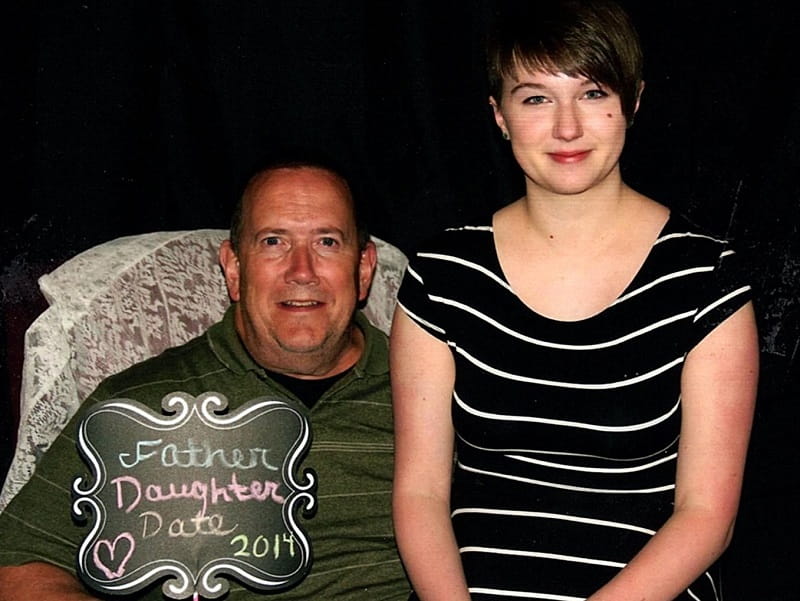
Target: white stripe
(523, 595)
(663, 278)
(594, 470)
(564, 453)
(470, 264)
(414, 274)
(418, 319)
(553, 516)
(606, 386)
(688, 235)
(720, 301)
(663, 488)
(567, 423)
(517, 553)
(713, 587)
(576, 347)
(470, 228)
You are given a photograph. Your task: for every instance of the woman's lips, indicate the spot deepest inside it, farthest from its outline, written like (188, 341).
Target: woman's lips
(569, 157)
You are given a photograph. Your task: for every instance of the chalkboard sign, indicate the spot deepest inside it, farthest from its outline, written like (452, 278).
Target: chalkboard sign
(194, 495)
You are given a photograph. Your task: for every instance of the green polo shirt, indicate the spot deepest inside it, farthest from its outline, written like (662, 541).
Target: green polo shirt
(351, 534)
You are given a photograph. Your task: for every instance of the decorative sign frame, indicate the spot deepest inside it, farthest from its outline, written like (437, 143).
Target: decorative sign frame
(194, 495)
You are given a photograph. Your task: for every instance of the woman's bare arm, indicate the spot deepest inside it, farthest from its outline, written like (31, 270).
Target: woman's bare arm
(718, 390)
(423, 375)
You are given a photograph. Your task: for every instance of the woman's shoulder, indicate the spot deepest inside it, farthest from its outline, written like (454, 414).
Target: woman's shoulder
(456, 237)
(467, 245)
(681, 227)
(683, 244)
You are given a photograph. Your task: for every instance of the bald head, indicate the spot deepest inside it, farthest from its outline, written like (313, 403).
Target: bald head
(255, 183)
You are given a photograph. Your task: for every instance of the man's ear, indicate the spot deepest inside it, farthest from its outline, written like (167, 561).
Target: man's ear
(366, 269)
(230, 267)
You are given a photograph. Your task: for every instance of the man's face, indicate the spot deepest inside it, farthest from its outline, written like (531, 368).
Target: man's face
(299, 273)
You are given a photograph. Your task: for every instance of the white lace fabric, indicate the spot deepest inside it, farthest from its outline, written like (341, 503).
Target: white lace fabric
(121, 302)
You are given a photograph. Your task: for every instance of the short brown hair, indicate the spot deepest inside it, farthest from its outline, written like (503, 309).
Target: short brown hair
(591, 38)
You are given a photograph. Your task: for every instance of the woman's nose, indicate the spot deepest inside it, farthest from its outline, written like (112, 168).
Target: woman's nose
(567, 124)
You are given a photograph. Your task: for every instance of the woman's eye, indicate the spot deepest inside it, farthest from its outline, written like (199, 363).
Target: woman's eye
(594, 94)
(535, 100)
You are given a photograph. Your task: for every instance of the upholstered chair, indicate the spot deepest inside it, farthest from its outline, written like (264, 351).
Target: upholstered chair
(124, 301)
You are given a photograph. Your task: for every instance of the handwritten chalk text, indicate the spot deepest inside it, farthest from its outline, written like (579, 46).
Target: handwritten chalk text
(194, 454)
(130, 492)
(260, 546)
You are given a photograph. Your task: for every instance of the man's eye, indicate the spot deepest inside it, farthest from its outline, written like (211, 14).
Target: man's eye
(271, 241)
(328, 241)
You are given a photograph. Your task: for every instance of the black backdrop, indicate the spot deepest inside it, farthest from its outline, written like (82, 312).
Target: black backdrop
(127, 117)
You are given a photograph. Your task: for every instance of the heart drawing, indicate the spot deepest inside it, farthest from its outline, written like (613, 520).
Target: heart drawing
(113, 552)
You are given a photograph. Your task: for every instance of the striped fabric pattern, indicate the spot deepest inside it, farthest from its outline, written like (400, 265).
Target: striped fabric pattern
(566, 432)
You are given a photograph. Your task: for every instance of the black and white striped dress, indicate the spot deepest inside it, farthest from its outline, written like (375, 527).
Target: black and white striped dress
(566, 432)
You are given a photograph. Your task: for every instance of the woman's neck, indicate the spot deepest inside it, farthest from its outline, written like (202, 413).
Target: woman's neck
(576, 220)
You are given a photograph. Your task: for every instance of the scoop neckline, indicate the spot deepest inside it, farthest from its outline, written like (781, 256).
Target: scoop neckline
(567, 322)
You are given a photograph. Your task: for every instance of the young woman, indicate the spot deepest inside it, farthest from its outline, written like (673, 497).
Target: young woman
(588, 358)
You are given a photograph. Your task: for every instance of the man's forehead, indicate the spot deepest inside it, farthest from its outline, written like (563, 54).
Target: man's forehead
(293, 172)
(307, 198)
(301, 181)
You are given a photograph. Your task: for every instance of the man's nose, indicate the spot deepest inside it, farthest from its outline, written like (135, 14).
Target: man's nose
(300, 269)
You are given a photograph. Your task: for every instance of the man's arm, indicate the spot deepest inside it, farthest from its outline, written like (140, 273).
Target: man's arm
(40, 581)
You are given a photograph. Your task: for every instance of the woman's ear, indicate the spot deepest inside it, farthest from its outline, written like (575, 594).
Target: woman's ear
(636, 104)
(638, 97)
(498, 117)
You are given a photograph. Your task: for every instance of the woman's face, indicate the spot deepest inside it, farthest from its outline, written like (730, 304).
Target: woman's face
(567, 133)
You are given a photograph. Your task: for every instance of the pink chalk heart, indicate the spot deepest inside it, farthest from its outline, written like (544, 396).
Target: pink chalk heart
(112, 552)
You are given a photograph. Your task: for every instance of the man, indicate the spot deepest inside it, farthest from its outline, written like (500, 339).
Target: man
(296, 266)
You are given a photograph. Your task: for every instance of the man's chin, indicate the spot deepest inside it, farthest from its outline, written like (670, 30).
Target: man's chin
(304, 344)
(301, 348)
(298, 348)
(310, 358)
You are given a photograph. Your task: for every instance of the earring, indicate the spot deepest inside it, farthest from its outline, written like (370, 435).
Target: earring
(505, 135)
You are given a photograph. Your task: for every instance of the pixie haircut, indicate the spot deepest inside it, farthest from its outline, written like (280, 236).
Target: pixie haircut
(590, 38)
(301, 161)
